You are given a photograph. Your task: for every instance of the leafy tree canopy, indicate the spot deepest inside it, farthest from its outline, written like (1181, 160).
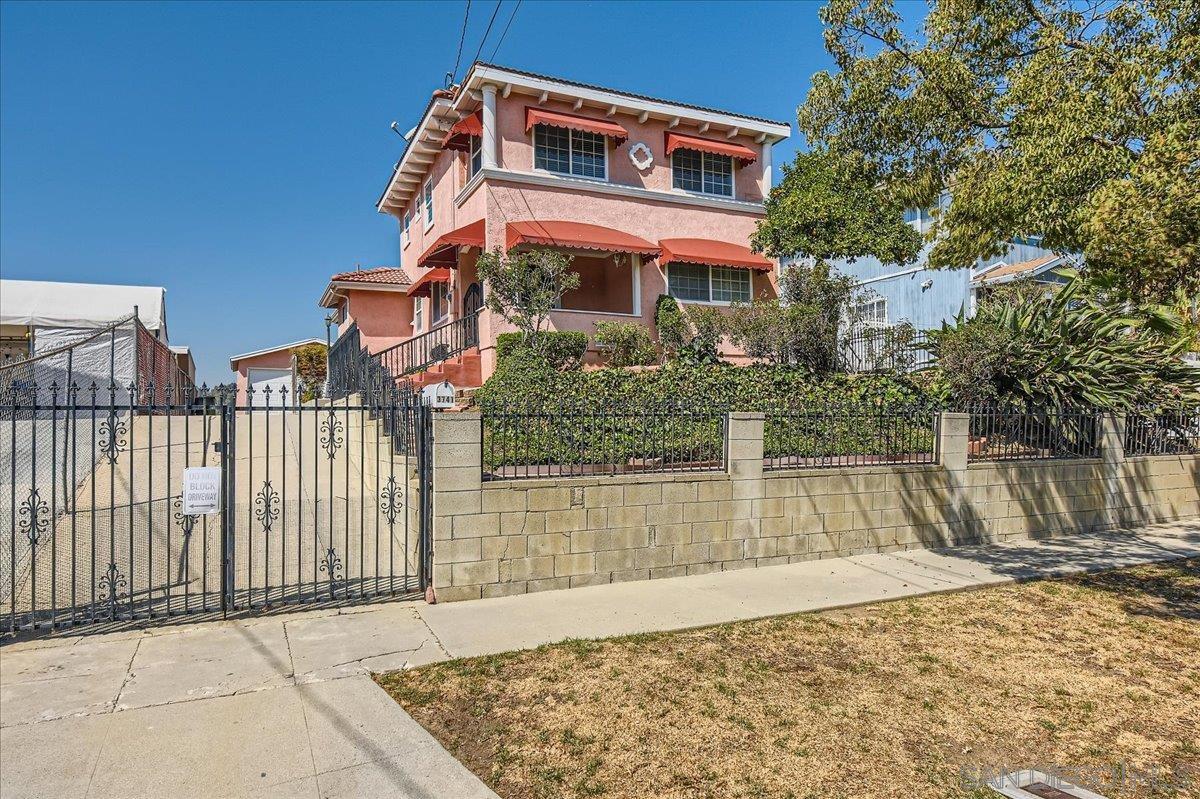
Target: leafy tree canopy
(523, 287)
(1074, 121)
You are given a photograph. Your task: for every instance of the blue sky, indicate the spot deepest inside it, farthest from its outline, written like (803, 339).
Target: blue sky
(233, 152)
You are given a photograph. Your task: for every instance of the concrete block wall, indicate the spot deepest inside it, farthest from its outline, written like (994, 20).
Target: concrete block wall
(516, 536)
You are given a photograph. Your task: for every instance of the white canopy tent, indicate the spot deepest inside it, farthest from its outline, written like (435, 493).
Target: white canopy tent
(45, 304)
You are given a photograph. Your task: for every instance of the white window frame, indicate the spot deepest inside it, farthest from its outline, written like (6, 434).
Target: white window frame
(703, 155)
(439, 292)
(418, 314)
(474, 152)
(427, 197)
(709, 273)
(570, 153)
(871, 302)
(405, 233)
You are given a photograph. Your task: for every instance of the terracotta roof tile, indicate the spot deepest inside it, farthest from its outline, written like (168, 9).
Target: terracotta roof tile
(389, 275)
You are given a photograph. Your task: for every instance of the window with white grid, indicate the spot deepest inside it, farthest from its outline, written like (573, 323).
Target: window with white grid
(873, 310)
(570, 152)
(730, 285)
(418, 314)
(700, 172)
(688, 282)
(688, 170)
(405, 237)
(429, 204)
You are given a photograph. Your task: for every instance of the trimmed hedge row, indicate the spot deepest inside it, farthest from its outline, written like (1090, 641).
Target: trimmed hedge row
(535, 414)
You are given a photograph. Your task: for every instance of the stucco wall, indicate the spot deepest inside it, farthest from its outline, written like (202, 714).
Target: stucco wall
(384, 318)
(517, 536)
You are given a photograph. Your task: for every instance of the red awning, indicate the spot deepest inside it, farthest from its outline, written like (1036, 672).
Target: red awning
(577, 235)
(459, 137)
(444, 251)
(423, 286)
(680, 141)
(715, 253)
(557, 119)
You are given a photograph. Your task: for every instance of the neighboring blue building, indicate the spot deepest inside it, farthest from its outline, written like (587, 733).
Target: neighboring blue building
(925, 297)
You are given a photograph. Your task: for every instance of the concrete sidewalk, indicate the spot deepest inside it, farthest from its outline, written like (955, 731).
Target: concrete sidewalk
(283, 705)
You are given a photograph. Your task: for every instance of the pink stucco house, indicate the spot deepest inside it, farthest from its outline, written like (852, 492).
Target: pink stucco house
(651, 197)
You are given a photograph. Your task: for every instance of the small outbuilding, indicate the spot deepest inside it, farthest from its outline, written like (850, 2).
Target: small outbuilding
(269, 368)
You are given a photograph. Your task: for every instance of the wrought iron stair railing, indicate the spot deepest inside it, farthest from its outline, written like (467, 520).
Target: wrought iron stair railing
(430, 348)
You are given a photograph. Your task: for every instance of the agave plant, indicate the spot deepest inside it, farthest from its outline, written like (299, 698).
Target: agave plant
(1069, 348)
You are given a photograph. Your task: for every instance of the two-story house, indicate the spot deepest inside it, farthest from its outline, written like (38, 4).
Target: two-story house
(650, 196)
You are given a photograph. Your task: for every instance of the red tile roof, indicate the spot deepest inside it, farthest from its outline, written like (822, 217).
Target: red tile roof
(388, 275)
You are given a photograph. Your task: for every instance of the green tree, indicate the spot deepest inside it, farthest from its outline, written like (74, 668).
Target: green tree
(801, 327)
(523, 287)
(1075, 121)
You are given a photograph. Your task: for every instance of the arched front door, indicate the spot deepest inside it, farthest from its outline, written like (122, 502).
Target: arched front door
(472, 300)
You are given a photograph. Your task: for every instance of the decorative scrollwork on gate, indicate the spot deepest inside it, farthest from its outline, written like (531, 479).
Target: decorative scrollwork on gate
(185, 521)
(331, 434)
(33, 517)
(111, 584)
(391, 500)
(112, 431)
(332, 565)
(267, 510)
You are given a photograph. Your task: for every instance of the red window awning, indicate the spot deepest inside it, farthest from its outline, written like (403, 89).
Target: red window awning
(557, 119)
(577, 235)
(444, 251)
(459, 137)
(423, 286)
(681, 141)
(713, 253)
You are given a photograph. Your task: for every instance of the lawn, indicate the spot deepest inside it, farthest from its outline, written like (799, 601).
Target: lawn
(896, 699)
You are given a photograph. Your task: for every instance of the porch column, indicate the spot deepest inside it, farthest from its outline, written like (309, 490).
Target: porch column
(766, 167)
(490, 159)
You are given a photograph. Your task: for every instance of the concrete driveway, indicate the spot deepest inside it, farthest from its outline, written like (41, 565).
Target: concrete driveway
(264, 708)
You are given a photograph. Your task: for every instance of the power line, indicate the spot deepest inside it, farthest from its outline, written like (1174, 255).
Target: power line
(492, 57)
(462, 38)
(486, 32)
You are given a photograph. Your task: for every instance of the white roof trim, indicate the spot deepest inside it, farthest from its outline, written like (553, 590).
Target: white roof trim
(234, 359)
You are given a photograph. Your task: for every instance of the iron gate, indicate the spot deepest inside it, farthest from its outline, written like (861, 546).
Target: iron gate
(321, 502)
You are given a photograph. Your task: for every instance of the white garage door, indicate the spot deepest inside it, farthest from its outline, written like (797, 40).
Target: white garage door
(276, 379)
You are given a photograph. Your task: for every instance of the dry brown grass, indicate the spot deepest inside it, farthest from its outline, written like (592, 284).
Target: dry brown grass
(888, 700)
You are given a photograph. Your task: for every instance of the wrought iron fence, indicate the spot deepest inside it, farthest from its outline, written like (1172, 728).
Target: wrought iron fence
(318, 503)
(521, 442)
(998, 433)
(345, 364)
(1162, 431)
(899, 348)
(858, 434)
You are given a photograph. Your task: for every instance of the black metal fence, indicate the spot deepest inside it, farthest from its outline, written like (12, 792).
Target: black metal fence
(564, 441)
(1162, 431)
(319, 503)
(1006, 434)
(898, 348)
(844, 435)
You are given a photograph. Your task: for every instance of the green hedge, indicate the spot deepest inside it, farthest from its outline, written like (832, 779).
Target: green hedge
(536, 415)
(560, 349)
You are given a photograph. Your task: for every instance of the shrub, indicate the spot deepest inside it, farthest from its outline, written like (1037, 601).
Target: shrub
(310, 368)
(559, 349)
(616, 397)
(689, 335)
(1067, 348)
(523, 287)
(626, 343)
(801, 327)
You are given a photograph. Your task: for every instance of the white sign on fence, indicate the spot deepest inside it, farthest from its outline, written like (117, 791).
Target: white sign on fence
(201, 490)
